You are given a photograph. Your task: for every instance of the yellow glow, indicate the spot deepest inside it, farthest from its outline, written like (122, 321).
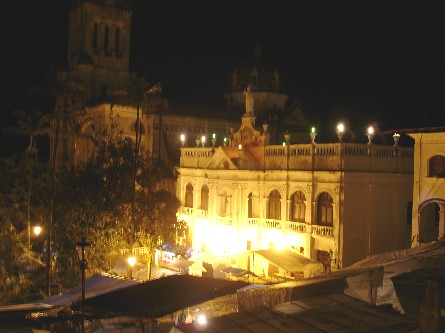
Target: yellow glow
(240, 146)
(203, 139)
(213, 136)
(396, 135)
(182, 137)
(131, 261)
(370, 130)
(202, 320)
(225, 139)
(37, 230)
(340, 128)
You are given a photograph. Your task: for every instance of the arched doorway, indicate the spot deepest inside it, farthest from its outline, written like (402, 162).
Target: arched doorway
(429, 221)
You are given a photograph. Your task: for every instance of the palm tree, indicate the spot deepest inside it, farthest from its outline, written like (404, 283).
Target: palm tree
(141, 96)
(30, 124)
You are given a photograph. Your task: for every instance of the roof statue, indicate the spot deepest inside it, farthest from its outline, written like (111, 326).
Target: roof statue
(249, 100)
(247, 135)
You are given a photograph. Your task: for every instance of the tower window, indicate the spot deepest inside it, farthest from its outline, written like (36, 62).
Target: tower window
(106, 37)
(95, 36)
(117, 40)
(437, 166)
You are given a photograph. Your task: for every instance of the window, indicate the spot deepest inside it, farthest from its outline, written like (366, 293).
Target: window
(249, 206)
(437, 166)
(325, 210)
(276, 80)
(95, 36)
(106, 37)
(298, 207)
(274, 209)
(254, 77)
(117, 40)
(204, 198)
(189, 196)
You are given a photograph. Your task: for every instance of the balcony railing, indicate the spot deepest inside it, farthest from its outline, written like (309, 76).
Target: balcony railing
(272, 224)
(188, 210)
(296, 226)
(322, 230)
(224, 220)
(252, 222)
(201, 213)
(137, 251)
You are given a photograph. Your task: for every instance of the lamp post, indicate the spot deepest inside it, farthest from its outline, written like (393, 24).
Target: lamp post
(83, 249)
(131, 262)
(370, 132)
(313, 134)
(340, 131)
(183, 140)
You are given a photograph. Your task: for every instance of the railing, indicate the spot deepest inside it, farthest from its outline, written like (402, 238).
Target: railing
(322, 230)
(252, 222)
(201, 213)
(188, 210)
(224, 220)
(137, 251)
(272, 224)
(296, 226)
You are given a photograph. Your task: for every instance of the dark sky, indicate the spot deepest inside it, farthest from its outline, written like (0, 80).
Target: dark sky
(363, 61)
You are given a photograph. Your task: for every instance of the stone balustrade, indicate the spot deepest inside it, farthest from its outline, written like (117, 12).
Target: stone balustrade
(323, 157)
(321, 230)
(272, 224)
(296, 226)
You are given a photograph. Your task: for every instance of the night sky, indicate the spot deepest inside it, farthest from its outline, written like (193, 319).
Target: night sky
(362, 61)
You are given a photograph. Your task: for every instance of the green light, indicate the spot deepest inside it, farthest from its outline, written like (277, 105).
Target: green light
(213, 136)
(313, 130)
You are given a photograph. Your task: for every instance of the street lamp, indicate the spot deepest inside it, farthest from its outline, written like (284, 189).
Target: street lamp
(313, 134)
(131, 262)
(183, 140)
(203, 141)
(37, 230)
(370, 132)
(340, 131)
(83, 249)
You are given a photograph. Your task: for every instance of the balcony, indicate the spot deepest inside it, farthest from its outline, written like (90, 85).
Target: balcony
(252, 222)
(296, 226)
(187, 211)
(224, 220)
(201, 213)
(321, 230)
(272, 224)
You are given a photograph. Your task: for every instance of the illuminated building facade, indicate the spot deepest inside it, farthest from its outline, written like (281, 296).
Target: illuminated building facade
(335, 203)
(428, 205)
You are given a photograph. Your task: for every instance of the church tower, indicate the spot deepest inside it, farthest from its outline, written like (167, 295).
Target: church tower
(99, 32)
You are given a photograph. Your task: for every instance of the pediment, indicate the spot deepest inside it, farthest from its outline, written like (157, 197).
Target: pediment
(220, 160)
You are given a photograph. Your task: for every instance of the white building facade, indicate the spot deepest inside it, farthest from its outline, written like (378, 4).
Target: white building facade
(336, 203)
(428, 212)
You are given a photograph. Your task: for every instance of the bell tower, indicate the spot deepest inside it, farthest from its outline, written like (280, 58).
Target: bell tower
(99, 34)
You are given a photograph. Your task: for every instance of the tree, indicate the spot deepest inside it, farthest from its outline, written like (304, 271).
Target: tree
(119, 203)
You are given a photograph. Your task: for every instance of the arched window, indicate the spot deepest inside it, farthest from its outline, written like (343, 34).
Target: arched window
(234, 80)
(106, 37)
(249, 206)
(325, 211)
(117, 40)
(298, 207)
(189, 196)
(95, 36)
(274, 209)
(254, 77)
(276, 80)
(204, 198)
(437, 166)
